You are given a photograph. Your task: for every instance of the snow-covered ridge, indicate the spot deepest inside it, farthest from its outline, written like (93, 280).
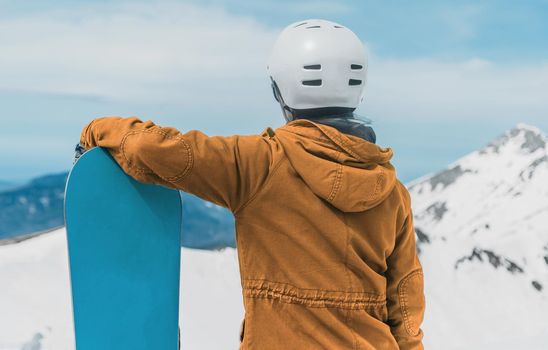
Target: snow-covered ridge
(493, 199)
(482, 229)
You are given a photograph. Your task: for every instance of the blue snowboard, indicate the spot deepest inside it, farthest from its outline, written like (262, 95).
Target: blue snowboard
(124, 241)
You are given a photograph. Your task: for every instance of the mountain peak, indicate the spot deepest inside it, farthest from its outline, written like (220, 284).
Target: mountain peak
(490, 206)
(527, 127)
(528, 138)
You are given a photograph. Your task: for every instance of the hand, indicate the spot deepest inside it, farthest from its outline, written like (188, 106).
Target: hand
(78, 151)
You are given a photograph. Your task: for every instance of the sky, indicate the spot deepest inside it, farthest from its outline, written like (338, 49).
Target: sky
(445, 77)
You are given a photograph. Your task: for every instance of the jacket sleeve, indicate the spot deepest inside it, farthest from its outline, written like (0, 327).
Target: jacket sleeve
(405, 285)
(223, 170)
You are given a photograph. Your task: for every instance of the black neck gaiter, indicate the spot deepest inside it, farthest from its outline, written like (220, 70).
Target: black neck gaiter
(347, 123)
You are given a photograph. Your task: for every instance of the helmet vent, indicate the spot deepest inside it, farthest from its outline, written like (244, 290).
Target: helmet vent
(313, 27)
(338, 27)
(356, 66)
(313, 67)
(353, 82)
(315, 82)
(300, 24)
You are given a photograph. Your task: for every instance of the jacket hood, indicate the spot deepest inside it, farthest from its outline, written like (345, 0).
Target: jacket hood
(350, 173)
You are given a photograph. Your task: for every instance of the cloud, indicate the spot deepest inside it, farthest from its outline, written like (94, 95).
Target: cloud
(469, 90)
(195, 55)
(134, 51)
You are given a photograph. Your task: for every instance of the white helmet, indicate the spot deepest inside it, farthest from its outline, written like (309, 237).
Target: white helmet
(318, 64)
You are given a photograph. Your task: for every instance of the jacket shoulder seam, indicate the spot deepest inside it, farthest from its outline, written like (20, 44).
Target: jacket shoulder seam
(260, 188)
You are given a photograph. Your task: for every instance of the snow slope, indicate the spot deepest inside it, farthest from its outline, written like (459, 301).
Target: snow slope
(36, 311)
(35, 294)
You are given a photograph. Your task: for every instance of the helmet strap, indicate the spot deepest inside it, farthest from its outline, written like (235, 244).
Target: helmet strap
(286, 110)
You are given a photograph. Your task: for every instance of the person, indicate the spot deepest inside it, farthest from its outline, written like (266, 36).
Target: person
(324, 229)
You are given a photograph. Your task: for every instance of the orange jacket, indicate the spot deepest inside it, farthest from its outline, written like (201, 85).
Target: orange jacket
(324, 229)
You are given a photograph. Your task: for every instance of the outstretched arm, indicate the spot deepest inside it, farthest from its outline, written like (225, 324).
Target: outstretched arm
(223, 170)
(405, 286)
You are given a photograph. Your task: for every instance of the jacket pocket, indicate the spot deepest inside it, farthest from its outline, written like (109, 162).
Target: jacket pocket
(412, 302)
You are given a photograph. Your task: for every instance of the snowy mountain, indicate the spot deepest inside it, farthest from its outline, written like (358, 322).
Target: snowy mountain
(35, 206)
(493, 204)
(38, 206)
(482, 228)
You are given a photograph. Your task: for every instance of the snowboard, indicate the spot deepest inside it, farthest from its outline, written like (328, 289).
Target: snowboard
(124, 243)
